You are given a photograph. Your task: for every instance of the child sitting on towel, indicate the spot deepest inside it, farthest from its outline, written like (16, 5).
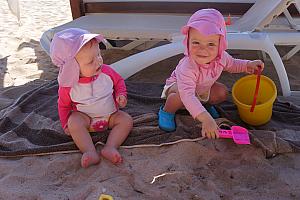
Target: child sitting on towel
(193, 84)
(90, 94)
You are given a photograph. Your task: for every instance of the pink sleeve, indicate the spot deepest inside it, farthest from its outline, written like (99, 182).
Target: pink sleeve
(234, 65)
(186, 82)
(118, 81)
(64, 105)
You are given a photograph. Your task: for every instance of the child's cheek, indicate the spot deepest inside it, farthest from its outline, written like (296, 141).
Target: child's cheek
(193, 50)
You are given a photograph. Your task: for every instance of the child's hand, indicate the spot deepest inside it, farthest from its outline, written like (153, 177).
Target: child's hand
(210, 128)
(122, 101)
(252, 66)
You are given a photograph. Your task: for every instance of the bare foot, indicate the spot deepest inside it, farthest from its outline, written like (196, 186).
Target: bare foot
(111, 154)
(89, 158)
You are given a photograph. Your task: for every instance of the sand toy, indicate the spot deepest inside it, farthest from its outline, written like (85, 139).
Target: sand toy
(237, 133)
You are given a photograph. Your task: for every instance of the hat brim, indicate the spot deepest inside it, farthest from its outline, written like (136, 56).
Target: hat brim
(88, 37)
(203, 27)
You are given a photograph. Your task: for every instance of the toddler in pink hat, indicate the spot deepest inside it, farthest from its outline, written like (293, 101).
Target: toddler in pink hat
(90, 95)
(193, 84)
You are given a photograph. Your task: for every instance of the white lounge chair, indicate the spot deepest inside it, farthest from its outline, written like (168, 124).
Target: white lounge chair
(250, 32)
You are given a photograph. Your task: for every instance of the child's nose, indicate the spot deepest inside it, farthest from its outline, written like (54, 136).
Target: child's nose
(203, 49)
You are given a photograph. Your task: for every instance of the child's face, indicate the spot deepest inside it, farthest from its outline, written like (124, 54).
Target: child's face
(203, 49)
(89, 59)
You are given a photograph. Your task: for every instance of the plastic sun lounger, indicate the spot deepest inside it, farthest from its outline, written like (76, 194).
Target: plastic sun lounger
(250, 32)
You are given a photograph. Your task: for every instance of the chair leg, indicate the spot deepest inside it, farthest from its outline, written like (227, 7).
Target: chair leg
(280, 69)
(147, 45)
(291, 53)
(264, 56)
(135, 63)
(133, 44)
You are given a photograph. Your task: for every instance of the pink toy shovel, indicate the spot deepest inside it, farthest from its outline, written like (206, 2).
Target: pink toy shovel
(239, 134)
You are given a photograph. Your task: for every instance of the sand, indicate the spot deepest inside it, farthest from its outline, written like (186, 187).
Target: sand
(189, 170)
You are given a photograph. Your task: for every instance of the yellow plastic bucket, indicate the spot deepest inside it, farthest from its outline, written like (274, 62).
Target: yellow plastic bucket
(243, 92)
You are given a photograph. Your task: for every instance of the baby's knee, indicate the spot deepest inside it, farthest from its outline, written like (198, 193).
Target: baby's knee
(223, 94)
(174, 97)
(124, 118)
(75, 121)
(219, 95)
(128, 119)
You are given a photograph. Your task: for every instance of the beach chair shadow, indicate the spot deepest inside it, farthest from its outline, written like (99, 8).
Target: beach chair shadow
(259, 28)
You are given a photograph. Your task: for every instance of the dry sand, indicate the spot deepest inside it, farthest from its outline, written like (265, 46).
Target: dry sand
(189, 170)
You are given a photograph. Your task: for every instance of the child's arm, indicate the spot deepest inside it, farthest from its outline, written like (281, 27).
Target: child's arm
(64, 105)
(119, 85)
(234, 65)
(186, 82)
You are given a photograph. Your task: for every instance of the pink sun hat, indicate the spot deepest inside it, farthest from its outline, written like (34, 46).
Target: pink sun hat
(208, 22)
(63, 49)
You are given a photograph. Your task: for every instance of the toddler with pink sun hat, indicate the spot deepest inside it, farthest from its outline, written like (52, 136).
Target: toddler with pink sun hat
(193, 84)
(90, 95)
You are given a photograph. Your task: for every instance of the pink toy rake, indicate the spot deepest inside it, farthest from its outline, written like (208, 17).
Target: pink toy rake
(239, 134)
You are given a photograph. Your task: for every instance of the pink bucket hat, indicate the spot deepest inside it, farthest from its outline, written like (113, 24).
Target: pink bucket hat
(208, 22)
(63, 49)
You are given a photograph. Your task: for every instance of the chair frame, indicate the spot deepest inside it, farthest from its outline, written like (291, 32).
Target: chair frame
(248, 40)
(84, 7)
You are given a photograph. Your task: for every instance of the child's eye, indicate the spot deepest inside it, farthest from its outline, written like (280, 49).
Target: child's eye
(91, 61)
(195, 43)
(211, 44)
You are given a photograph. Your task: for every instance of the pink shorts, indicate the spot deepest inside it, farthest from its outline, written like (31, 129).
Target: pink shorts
(99, 124)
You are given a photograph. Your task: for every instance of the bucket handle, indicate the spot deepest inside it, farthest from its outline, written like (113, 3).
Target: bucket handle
(256, 89)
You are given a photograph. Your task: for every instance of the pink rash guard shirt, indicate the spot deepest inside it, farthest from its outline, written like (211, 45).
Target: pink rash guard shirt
(196, 79)
(95, 96)
(192, 79)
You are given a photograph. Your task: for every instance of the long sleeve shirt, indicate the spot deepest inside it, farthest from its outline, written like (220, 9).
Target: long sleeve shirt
(193, 79)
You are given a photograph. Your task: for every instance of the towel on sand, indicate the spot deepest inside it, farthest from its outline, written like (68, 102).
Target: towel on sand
(30, 125)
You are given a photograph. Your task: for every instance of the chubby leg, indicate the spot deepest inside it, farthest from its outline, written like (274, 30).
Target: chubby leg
(78, 125)
(173, 102)
(166, 114)
(218, 93)
(121, 124)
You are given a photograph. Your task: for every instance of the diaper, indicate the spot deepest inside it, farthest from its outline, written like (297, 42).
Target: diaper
(202, 98)
(165, 90)
(99, 124)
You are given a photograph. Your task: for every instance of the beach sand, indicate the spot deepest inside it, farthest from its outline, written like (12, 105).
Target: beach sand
(189, 170)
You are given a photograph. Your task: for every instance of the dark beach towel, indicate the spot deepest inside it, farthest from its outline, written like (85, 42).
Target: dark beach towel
(30, 125)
